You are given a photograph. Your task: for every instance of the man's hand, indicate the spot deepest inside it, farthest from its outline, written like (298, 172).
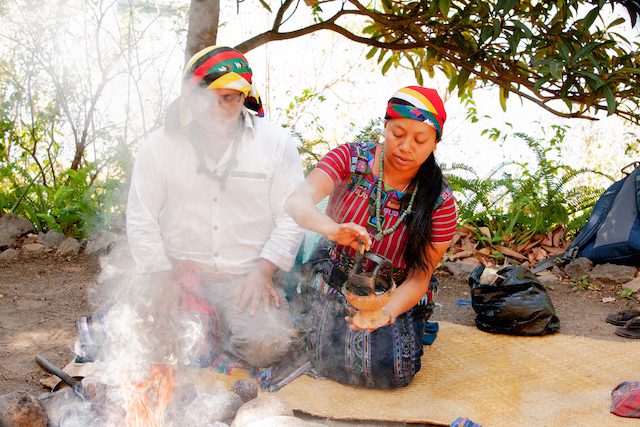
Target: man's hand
(165, 294)
(257, 286)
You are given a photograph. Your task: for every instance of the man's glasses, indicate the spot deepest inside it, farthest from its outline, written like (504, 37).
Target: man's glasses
(231, 98)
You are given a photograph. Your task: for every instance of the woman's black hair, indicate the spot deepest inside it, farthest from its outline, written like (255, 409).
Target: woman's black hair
(429, 178)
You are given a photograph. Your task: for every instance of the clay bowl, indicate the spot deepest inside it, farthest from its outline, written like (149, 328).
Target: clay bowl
(369, 315)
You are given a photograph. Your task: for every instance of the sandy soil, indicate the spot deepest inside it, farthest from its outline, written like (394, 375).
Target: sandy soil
(40, 298)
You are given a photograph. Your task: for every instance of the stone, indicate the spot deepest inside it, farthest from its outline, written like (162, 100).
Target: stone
(34, 248)
(612, 274)
(52, 238)
(30, 238)
(548, 279)
(100, 244)
(633, 285)
(260, 408)
(282, 421)
(9, 255)
(209, 408)
(461, 270)
(13, 227)
(577, 268)
(68, 247)
(21, 409)
(245, 389)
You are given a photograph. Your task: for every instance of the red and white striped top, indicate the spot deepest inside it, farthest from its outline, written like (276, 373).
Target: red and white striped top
(353, 200)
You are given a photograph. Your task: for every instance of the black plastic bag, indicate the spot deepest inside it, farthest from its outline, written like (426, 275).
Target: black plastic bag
(515, 303)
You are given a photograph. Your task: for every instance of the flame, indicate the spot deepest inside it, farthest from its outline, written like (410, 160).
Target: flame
(148, 400)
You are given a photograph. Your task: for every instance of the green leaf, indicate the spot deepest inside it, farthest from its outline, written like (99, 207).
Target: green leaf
(506, 5)
(504, 94)
(485, 33)
(587, 21)
(586, 49)
(387, 65)
(265, 5)
(612, 104)
(463, 76)
(523, 28)
(371, 52)
(444, 7)
(616, 23)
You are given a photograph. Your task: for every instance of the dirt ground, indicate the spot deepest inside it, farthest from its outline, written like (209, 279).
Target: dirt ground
(40, 298)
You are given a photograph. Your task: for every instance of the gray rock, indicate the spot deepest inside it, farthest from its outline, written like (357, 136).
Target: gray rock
(34, 248)
(261, 408)
(21, 409)
(282, 421)
(578, 268)
(68, 247)
(460, 270)
(209, 408)
(245, 389)
(9, 255)
(612, 274)
(634, 285)
(30, 238)
(100, 244)
(548, 279)
(13, 227)
(52, 238)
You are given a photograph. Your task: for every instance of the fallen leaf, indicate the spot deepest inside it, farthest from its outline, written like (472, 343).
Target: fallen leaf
(485, 231)
(526, 246)
(509, 252)
(608, 299)
(461, 254)
(468, 245)
(553, 250)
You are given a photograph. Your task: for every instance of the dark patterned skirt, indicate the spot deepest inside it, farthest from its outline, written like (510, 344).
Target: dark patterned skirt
(388, 357)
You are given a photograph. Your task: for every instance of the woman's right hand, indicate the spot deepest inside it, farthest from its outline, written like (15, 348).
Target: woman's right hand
(350, 234)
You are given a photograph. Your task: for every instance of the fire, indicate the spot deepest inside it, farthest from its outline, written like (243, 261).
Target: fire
(149, 399)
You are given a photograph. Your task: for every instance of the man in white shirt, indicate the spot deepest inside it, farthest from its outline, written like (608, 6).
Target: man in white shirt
(205, 212)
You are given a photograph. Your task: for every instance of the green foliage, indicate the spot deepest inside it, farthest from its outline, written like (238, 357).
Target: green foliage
(582, 284)
(77, 206)
(517, 200)
(570, 50)
(625, 293)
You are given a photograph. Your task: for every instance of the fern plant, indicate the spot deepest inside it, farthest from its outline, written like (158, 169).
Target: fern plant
(517, 201)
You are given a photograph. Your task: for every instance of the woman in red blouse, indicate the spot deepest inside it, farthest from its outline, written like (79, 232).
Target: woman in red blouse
(390, 198)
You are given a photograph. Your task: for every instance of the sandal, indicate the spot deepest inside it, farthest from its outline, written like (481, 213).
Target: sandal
(622, 316)
(631, 329)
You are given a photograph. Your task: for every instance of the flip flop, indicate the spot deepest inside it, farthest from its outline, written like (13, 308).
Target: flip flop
(631, 329)
(623, 316)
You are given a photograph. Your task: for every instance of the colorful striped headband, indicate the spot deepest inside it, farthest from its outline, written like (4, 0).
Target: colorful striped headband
(418, 103)
(222, 67)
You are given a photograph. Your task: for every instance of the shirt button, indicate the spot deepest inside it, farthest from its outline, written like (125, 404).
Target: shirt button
(215, 228)
(215, 254)
(215, 199)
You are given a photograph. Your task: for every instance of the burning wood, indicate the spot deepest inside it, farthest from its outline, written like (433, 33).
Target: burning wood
(148, 400)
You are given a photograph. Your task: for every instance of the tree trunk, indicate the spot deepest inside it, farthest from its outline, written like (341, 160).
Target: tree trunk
(204, 16)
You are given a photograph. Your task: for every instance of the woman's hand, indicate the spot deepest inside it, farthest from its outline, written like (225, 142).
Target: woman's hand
(350, 234)
(387, 320)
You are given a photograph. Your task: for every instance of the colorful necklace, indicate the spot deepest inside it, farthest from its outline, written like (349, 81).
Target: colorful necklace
(381, 233)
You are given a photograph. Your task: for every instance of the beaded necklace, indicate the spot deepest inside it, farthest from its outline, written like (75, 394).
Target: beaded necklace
(381, 233)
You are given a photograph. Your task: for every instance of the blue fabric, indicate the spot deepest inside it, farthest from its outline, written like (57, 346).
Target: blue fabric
(430, 332)
(464, 422)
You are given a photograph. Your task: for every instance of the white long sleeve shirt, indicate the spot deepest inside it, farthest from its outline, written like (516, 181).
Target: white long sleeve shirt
(176, 213)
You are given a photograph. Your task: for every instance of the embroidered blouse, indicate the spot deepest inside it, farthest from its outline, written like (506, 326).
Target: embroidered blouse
(350, 167)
